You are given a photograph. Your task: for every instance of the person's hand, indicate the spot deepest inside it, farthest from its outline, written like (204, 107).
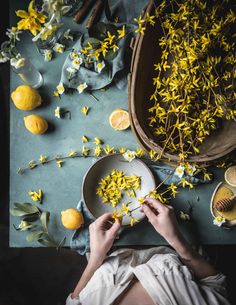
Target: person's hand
(163, 219)
(102, 235)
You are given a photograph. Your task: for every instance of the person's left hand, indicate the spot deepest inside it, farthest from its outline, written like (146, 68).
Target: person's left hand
(102, 235)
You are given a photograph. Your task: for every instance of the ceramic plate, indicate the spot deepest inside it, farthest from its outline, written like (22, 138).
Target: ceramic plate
(214, 212)
(101, 169)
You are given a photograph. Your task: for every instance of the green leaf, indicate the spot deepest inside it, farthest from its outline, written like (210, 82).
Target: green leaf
(34, 235)
(27, 208)
(17, 212)
(45, 219)
(47, 242)
(93, 41)
(31, 217)
(99, 31)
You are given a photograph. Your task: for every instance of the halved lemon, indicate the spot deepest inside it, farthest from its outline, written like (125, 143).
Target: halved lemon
(230, 175)
(119, 119)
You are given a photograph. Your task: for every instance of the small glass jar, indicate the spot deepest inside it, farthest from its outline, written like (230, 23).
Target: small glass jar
(29, 74)
(46, 44)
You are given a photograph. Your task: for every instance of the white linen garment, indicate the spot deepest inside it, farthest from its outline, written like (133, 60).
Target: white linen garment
(162, 275)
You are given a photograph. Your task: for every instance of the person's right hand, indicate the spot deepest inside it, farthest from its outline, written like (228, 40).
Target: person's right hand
(163, 219)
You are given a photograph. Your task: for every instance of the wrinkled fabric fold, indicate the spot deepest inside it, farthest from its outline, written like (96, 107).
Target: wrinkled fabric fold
(161, 273)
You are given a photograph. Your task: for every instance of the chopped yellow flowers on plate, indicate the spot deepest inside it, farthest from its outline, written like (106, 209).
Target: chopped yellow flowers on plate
(114, 185)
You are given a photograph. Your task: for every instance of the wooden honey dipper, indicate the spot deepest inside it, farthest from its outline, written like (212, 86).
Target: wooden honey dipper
(225, 204)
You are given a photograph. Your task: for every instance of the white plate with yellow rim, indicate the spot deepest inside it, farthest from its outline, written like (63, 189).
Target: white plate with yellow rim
(230, 216)
(100, 169)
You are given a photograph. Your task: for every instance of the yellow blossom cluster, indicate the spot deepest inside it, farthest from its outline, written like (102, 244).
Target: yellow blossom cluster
(111, 188)
(96, 50)
(193, 85)
(30, 20)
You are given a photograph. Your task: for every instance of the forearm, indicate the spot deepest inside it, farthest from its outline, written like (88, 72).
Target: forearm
(86, 276)
(200, 267)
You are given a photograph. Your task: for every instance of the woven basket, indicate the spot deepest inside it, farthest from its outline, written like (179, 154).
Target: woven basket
(145, 53)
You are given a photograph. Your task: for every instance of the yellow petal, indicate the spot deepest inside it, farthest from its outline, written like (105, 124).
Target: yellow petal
(22, 25)
(30, 7)
(22, 14)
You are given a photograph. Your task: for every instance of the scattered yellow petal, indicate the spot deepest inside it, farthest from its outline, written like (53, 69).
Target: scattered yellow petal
(109, 150)
(140, 152)
(85, 110)
(36, 196)
(59, 163)
(97, 151)
(133, 221)
(56, 93)
(85, 139)
(43, 159)
(207, 176)
(72, 153)
(122, 150)
(98, 141)
(85, 151)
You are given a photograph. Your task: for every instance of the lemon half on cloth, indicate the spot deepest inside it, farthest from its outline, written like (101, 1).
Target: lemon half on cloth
(119, 119)
(26, 98)
(230, 175)
(35, 124)
(72, 219)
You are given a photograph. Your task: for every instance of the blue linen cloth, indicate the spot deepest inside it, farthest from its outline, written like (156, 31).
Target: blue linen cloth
(116, 69)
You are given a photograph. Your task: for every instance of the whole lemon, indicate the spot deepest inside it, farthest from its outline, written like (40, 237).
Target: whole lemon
(35, 124)
(26, 98)
(72, 219)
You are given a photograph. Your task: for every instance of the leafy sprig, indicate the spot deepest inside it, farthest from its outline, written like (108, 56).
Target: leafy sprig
(35, 221)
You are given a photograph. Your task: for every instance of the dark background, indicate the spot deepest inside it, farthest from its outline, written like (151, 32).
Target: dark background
(44, 275)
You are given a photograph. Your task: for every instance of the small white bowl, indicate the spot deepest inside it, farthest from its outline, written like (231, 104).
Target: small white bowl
(101, 169)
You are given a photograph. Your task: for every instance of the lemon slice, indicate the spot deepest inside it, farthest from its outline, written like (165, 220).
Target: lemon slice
(230, 175)
(119, 119)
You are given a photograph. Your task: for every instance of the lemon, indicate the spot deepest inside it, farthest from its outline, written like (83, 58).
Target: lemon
(72, 219)
(26, 98)
(35, 124)
(119, 119)
(230, 175)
